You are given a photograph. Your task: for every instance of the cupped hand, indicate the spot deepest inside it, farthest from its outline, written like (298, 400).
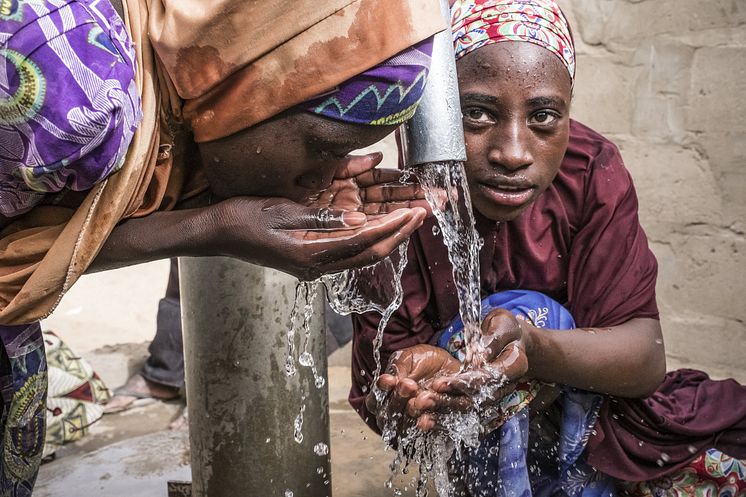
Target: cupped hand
(307, 241)
(358, 185)
(506, 340)
(407, 375)
(358, 220)
(483, 384)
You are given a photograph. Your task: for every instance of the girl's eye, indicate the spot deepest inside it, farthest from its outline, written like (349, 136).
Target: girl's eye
(476, 115)
(543, 118)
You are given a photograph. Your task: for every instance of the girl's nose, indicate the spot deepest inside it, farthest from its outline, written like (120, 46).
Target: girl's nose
(510, 146)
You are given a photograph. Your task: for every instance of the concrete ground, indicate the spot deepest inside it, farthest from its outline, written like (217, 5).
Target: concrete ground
(108, 318)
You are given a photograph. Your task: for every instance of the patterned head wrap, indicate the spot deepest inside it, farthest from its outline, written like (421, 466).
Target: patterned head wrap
(477, 23)
(385, 94)
(69, 103)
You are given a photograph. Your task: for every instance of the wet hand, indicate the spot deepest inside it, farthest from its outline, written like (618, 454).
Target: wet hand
(506, 339)
(359, 185)
(408, 373)
(307, 241)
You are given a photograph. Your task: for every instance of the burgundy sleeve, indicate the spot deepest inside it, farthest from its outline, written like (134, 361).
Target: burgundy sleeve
(408, 326)
(612, 273)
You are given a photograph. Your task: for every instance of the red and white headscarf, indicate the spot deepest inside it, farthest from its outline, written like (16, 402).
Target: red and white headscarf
(476, 23)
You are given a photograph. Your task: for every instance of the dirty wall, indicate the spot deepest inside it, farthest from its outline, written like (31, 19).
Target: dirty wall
(666, 81)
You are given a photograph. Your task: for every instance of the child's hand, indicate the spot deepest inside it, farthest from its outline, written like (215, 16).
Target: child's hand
(507, 339)
(505, 363)
(407, 375)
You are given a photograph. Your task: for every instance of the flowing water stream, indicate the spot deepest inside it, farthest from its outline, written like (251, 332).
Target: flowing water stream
(378, 288)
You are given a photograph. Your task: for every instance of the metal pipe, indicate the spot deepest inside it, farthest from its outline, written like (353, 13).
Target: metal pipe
(241, 403)
(436, 133)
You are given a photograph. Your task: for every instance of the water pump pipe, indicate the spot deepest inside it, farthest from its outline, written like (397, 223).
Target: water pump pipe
(241, 403)
(436, 132)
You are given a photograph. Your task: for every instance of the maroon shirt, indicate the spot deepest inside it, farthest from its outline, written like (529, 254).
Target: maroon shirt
(580, 243)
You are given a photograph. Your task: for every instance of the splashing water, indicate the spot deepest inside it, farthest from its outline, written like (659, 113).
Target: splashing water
(371, 288)
(298, 424)
(305, 293)
(321, 449)
(447, 193)
(376, 287)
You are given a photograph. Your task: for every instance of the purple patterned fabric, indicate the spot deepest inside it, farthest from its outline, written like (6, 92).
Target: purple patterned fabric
(385, 94)
(69, 104)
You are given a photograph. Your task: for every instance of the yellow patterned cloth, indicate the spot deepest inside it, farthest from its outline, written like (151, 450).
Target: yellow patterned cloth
(76, 395)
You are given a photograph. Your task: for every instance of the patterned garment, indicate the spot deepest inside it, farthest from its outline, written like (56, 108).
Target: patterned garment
(23, 388)
(386, 94)
(75, 397)
(477, 23)
(69, 103)
(712, 474)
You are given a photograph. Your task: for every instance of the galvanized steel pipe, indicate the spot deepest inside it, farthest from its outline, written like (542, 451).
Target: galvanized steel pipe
(436, 132)
(241, 403)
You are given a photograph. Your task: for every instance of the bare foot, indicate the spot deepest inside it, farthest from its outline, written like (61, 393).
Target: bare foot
(138, 392)
(181, 422)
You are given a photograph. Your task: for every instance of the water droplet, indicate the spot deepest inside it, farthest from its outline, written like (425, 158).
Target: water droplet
(692, 449)
(290, 369)
(320, 382)
(436, 230)
(268, 440)
(288, 493)
(298, 425)
(306, 359)
(321, 449)
(665, 457)
(364, 388)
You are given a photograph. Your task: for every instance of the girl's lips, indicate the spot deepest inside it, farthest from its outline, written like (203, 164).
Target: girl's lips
(508, 196)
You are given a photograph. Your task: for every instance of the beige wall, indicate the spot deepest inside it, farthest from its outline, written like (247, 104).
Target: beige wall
(666, 80)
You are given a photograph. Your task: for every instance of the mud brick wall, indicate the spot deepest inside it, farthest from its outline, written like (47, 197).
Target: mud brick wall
(666, 81)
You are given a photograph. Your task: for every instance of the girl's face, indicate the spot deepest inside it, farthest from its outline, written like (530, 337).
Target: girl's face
(293, 155)
(515, 98)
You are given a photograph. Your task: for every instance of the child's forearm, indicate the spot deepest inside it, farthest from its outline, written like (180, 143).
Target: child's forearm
(626, 360)
(160, 235)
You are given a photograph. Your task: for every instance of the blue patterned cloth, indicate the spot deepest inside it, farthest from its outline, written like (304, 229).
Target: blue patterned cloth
(23, 390)
(513, 460)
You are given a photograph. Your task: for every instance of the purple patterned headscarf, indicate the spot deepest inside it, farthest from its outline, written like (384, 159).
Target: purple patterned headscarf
(385, 94)
(69, 104)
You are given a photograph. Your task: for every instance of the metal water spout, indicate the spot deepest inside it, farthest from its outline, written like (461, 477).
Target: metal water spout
(436, 132)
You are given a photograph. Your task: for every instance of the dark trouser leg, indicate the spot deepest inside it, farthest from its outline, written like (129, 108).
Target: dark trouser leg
(338, 330)
(23, 391)
(165, 365)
